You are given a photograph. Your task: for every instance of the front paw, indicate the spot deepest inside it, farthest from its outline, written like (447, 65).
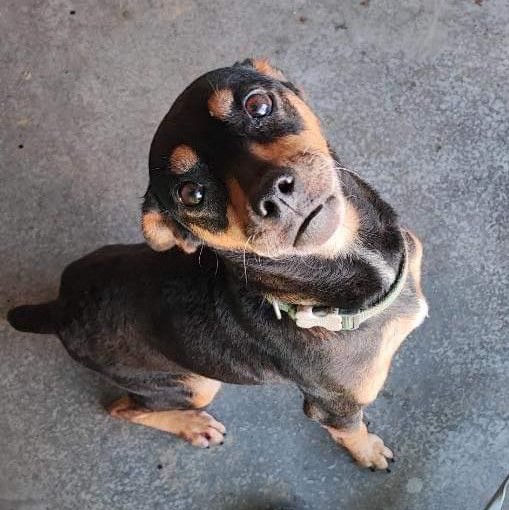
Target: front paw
(372, 453)
(367, 449)
(201, 429)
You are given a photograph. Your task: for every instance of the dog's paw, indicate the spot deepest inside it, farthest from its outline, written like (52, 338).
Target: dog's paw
(367, 449)
(201, 429)
(372, 453)
(194, 426)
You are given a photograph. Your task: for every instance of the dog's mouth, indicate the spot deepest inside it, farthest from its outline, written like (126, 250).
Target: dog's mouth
(305, 224)
(319, 224)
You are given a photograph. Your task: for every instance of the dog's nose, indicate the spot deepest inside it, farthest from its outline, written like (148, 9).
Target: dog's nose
(275, 195)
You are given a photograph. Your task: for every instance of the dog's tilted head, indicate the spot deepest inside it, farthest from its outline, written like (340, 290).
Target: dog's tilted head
(240, 163)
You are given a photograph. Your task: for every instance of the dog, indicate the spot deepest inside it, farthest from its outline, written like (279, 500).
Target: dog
(267, 261)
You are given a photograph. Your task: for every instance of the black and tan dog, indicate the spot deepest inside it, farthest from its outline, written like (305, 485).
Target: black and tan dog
(291, 268)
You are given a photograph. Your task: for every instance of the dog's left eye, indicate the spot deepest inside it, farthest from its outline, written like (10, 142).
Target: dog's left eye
(258, 104)
(190, 193)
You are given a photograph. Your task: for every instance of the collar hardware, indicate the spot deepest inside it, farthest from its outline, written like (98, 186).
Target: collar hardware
(332, 319)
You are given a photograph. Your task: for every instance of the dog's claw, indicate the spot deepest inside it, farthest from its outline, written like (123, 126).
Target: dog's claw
(388, 470)
(372, 469)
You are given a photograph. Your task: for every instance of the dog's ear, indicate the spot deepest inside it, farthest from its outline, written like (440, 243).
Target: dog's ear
(161, 231)
(263, 66)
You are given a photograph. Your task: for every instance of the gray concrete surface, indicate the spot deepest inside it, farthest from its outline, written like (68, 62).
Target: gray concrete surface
(413, 94)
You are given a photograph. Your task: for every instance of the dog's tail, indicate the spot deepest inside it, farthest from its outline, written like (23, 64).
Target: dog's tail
(34, 318)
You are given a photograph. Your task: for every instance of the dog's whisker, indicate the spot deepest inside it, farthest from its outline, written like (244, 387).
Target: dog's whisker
(199, 255)
(244, 257)
(217, 264)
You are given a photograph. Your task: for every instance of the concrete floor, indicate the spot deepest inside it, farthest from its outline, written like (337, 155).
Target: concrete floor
(413, 94)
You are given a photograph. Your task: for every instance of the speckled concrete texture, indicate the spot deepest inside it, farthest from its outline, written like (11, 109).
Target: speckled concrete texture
(414, 96)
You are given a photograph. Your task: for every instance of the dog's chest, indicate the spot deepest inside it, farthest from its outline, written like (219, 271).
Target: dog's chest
(371, 377)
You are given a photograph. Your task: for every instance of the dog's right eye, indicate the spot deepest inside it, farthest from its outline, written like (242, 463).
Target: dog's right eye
(190, 193)
(258, 104)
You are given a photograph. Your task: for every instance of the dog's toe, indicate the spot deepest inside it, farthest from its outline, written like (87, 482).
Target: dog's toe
(373, 453)
(202, 430)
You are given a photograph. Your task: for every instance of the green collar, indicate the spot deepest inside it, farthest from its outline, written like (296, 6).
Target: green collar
(332, 318)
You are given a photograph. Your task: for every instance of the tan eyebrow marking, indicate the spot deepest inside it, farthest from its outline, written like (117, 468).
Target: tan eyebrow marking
(263, 66)
(182, 159)
(220, 103)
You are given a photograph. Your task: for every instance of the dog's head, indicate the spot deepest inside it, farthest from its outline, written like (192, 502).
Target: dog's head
(240, 163)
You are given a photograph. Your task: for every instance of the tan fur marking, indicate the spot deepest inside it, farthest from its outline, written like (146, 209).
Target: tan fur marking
(161, 234)
(345, 236)
(313, 132)
(368, 450)
(203, 390)
(394, 332)
(182, 159)
(220, 103)
(157, 232)
(233, 238)
(239, 201)
(194, 426)
(263, 66)
(310, 140)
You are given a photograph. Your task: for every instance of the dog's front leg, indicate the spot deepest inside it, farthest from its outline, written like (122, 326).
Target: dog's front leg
(343, 420)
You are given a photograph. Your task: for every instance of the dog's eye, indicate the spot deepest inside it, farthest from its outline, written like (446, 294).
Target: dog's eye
(190, 193)
(258, 104)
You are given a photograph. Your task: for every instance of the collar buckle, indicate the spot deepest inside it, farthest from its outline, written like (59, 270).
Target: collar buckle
(329, 318)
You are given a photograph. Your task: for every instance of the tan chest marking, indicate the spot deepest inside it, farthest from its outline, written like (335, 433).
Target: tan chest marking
(393, 334)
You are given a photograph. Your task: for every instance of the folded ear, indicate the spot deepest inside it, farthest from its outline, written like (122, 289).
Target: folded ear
(161, 231)
(263, 66)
